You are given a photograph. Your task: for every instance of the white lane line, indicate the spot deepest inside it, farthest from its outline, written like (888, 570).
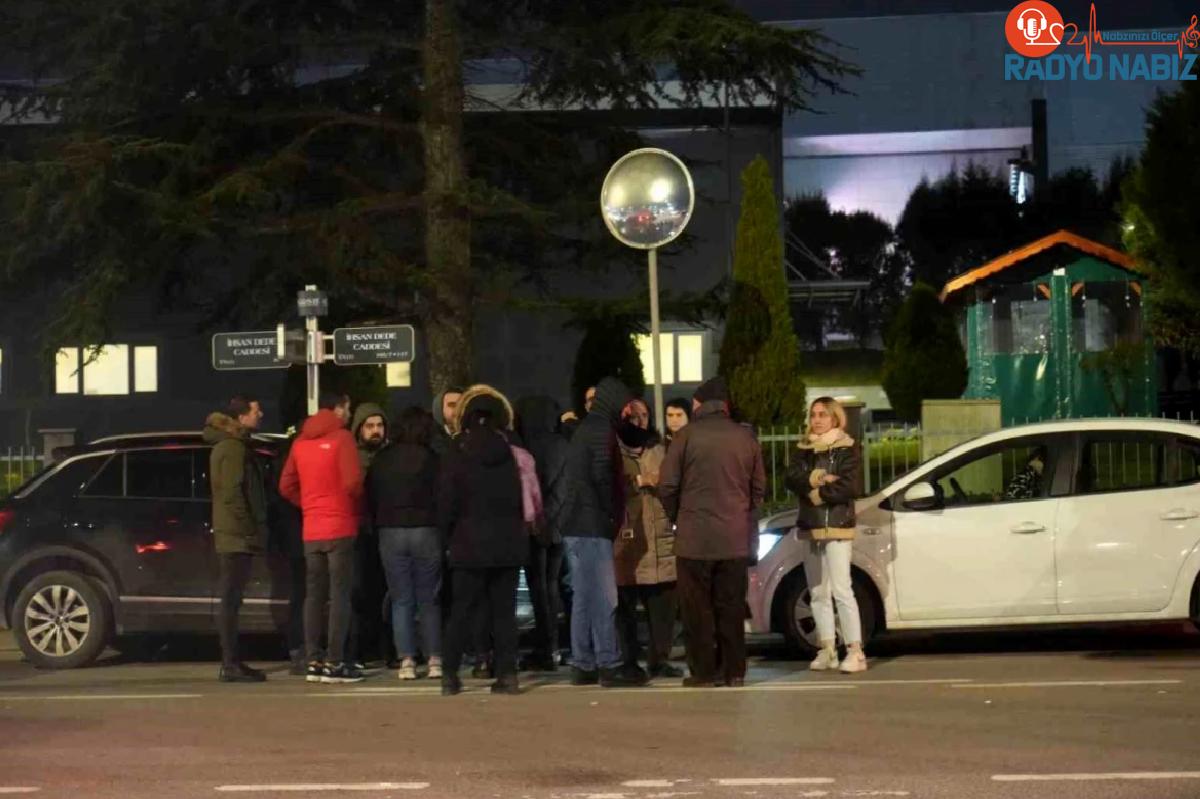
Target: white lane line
(648, 784)
(91, 697)
(323, 786)
(12, 789)
(750, 782)
(1116, 775)
(1066, 683)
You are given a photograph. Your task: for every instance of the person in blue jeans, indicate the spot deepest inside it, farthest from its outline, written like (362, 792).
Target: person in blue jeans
(594, 474)
(401, 498)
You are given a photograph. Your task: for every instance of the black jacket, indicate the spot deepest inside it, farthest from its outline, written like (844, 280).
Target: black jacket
(537, 426)
(402, 486)
(826, 509)
(479, 503)
(595, 505)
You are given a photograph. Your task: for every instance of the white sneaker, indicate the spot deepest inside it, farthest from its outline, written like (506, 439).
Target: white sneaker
(826, 659)
(435, 669)
(855, 662)
(408, 670)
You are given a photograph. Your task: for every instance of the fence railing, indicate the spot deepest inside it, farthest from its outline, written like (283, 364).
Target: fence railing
(17, 464)
(888, 451)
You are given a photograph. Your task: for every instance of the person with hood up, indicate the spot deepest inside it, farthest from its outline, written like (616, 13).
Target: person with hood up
(823, 474)
(538, 426)
(488, 498)
(322, 476)
(368, 634)
(401, 496)
(712, 484)
(595, 514)
(644, 552)
(239, 521)
(445, 413)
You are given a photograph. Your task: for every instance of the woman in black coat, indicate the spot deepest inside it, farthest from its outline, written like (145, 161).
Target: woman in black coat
(482, 516)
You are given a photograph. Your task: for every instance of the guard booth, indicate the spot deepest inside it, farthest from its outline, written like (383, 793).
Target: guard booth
(1056, 329)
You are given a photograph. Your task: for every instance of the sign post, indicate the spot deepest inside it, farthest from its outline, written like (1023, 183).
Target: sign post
(312, 305)
(279, 348)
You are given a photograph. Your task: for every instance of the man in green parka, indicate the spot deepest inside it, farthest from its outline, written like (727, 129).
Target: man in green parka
(239, 521)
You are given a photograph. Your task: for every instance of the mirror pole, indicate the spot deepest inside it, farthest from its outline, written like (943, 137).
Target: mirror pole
(655, 343)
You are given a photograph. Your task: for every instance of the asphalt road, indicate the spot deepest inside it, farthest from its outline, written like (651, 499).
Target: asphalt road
(1097, 714)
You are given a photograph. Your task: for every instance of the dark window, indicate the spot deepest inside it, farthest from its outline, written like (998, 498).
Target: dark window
(1121, 463)
(201, 458)
(110, 480)
(73, 477)
(1010, 472)
(1103, 314)
(1183, 462)
(159, 474)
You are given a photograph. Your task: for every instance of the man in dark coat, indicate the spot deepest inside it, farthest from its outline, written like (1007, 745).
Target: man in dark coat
(538, 427)
(712, 484)
(368, 635)
(239, 521)
(481, 513)
(595, 512)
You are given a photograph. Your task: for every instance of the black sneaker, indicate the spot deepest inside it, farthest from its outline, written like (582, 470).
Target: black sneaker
(451, 685)
(314, 671)
(240, 673)
(259, 675)
(581, 677)
(506, 685)
(342, 672)
(623, 677)
(666, 670)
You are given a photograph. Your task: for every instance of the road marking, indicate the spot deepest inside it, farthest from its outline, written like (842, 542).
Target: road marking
(750, 782)
(1066, 683)
(1116, 775)
(329, 786)
(648, 784)
(92, 697)
(9, 789)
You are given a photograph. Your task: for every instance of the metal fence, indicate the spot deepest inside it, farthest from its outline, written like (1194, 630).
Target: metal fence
(888, 451)
(17, 464)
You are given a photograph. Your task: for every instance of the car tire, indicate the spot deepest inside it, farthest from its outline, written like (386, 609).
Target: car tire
(799, 627)
(61, 620)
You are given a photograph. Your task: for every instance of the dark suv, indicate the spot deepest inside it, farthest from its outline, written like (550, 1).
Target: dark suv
(116, 540)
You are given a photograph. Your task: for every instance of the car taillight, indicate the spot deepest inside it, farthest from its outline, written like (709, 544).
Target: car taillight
(6, 516)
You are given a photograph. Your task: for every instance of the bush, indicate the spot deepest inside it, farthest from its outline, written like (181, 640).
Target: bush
(924, 357)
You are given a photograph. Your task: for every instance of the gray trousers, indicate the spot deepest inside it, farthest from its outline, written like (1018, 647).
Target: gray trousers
(330, 572)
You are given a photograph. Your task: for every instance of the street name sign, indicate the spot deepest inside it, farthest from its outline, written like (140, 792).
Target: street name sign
(371, 346)
(252, 350)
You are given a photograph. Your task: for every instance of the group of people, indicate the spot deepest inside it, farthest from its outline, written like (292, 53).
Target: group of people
(435, 515)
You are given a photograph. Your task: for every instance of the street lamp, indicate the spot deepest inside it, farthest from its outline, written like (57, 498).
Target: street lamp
(646, 202)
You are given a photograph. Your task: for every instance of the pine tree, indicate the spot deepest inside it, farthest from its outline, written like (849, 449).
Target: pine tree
(607, 350)
(760, 356)
(924, 357)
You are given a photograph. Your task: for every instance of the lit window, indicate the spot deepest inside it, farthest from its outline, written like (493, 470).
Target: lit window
(108, 373)
(66, 371)
(666, 345)
(145, 369)
(691, 358)
(399, 375)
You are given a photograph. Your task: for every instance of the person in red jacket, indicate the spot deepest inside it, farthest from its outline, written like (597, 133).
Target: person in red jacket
(323, 477)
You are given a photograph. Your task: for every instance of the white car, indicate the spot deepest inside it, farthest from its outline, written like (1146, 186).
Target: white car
(1107, 531)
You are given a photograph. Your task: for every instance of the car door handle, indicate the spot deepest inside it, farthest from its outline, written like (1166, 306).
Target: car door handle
(1028, 528)
(1178, 515)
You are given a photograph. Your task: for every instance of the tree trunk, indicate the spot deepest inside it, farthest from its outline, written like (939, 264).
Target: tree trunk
(448, 316)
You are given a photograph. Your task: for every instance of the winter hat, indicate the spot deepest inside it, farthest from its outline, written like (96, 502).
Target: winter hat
(713, 389)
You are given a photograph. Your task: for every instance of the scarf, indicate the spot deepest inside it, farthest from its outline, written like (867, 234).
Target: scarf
(828, 438)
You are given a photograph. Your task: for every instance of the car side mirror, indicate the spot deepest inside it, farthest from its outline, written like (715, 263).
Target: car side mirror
(922, 496)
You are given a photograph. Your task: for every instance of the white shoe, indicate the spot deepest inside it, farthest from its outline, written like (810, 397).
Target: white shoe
(855, 662)
(825, 660)
(435, 669)
(408, 670)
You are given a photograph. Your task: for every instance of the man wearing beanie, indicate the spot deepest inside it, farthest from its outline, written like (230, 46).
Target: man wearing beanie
(712, 483)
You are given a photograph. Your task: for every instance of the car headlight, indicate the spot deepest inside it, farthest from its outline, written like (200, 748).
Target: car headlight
(767, 541)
